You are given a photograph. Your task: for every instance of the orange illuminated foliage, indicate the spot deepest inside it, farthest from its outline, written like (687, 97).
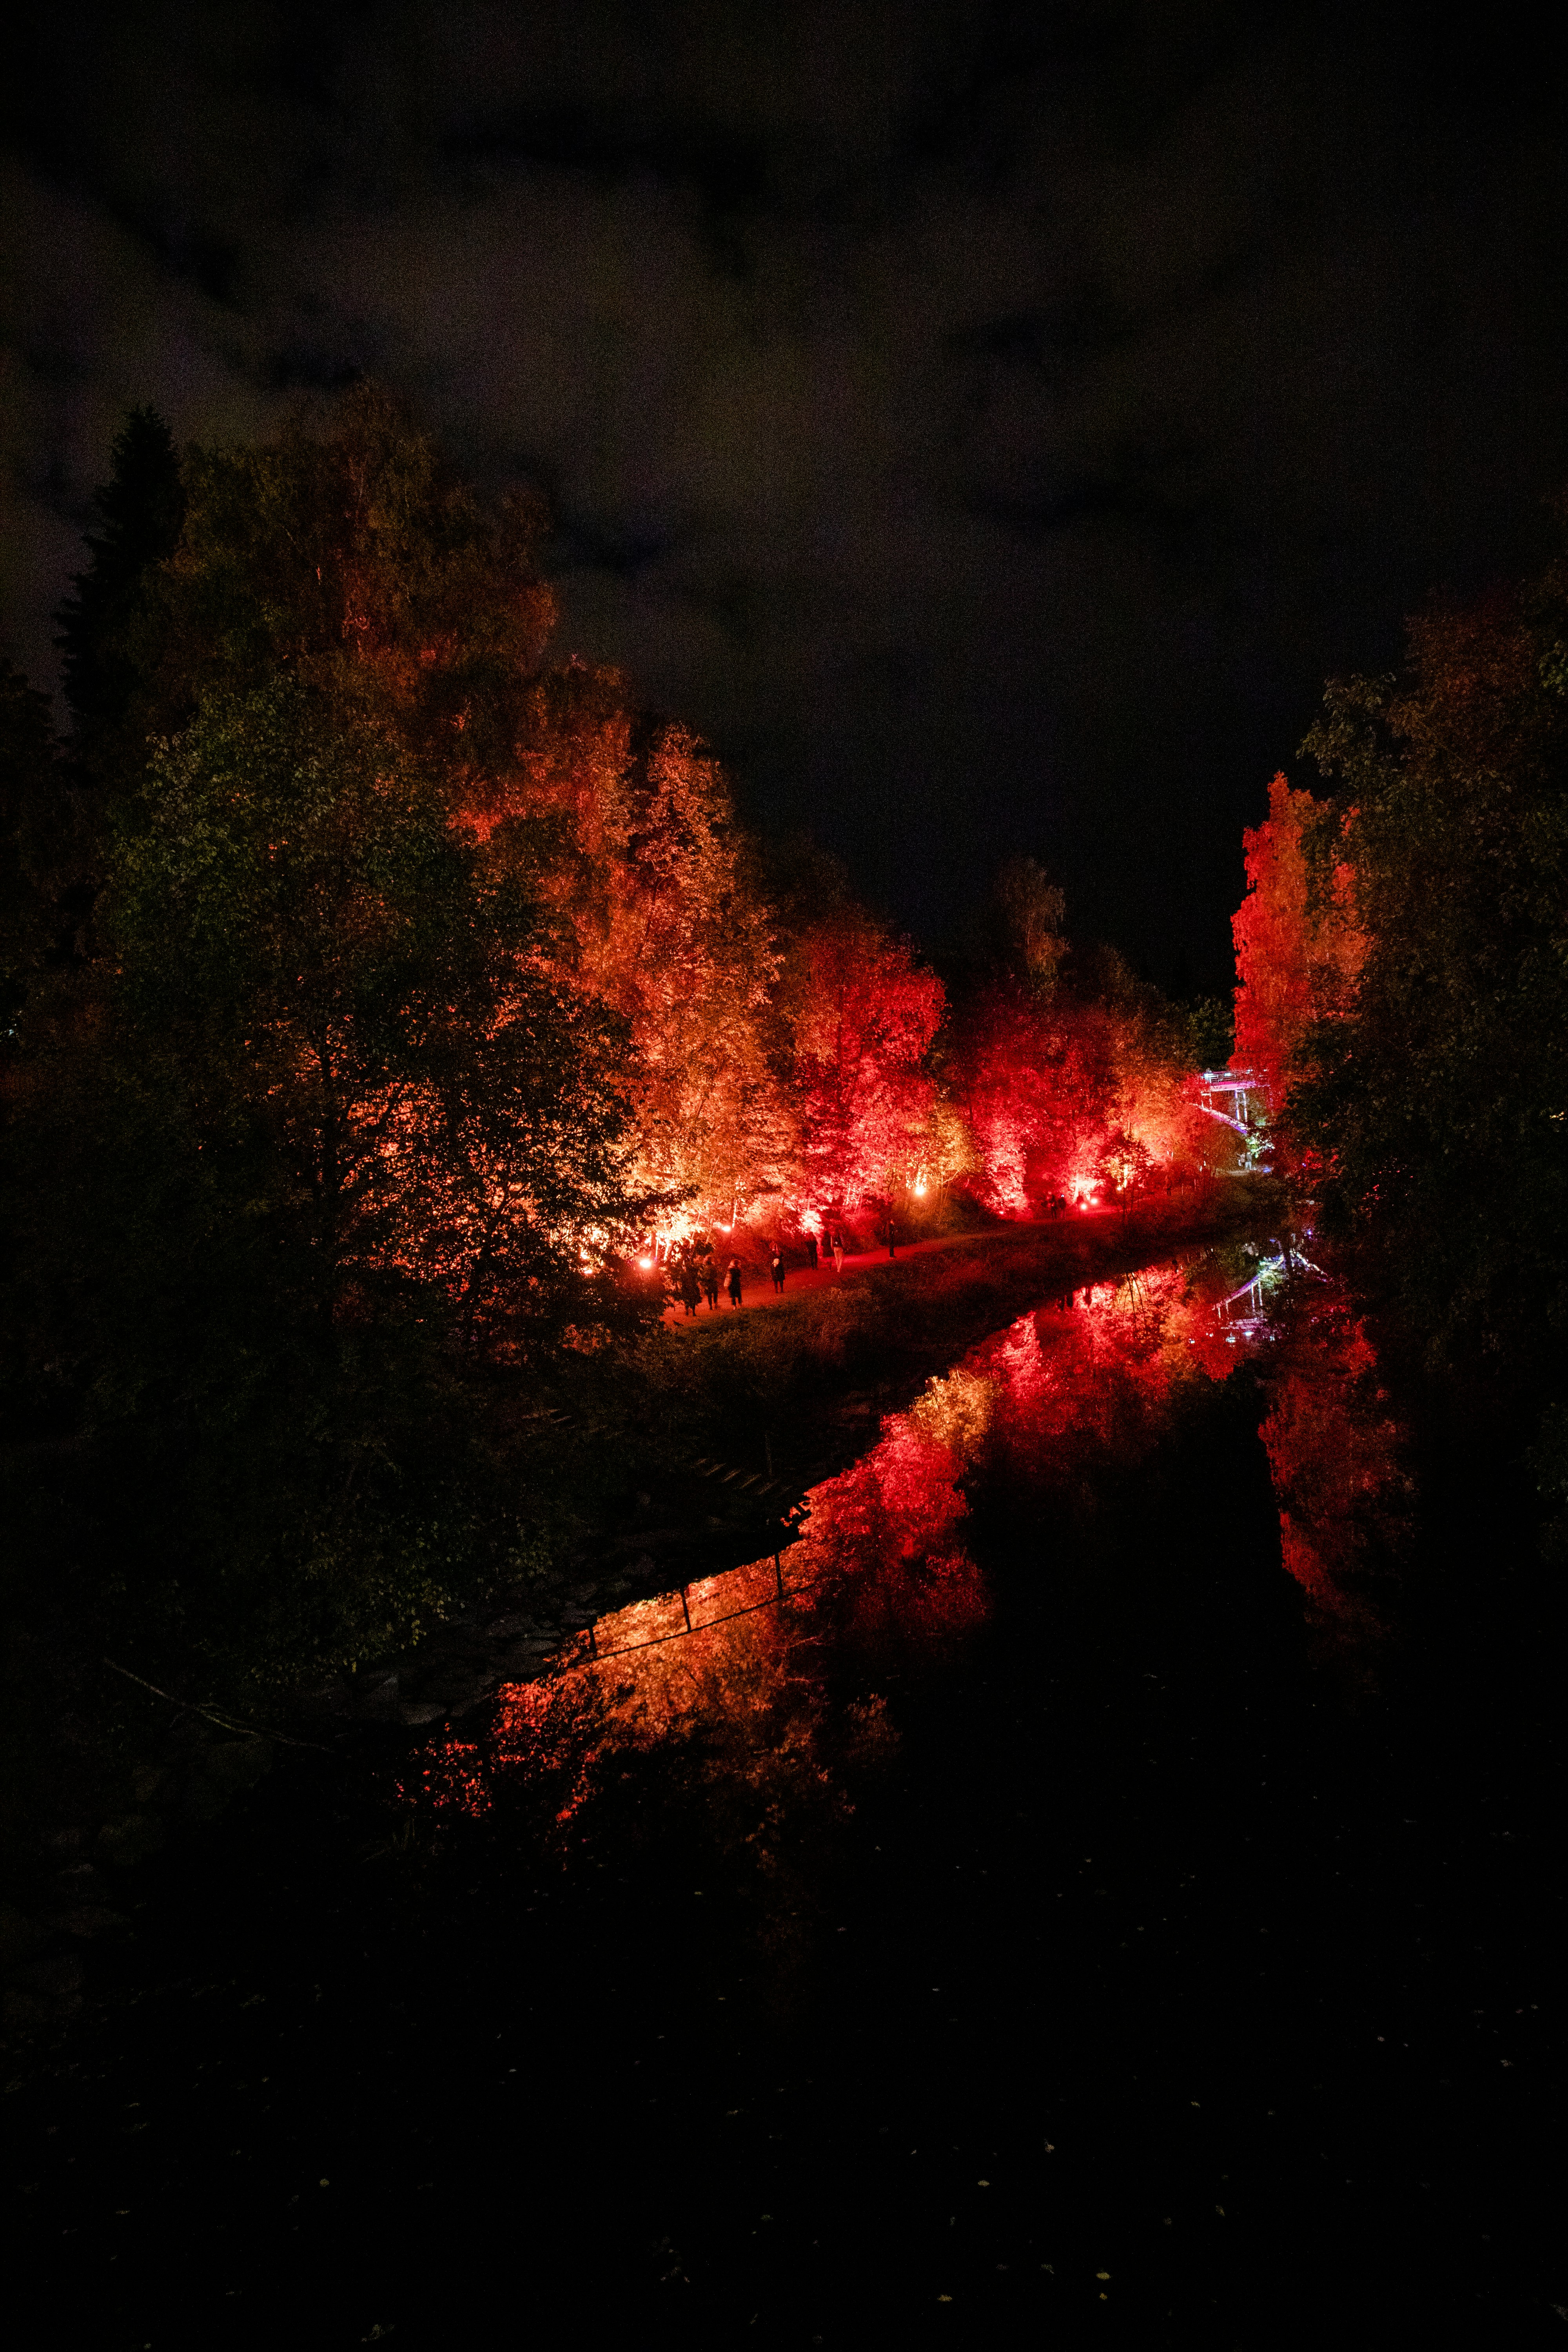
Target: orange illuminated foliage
(766, 1060)
(355, 559)
(1154, 1107)
(660, 924)
(628, 833)
(361, 1025)
(1299, 944)
(450, 1778)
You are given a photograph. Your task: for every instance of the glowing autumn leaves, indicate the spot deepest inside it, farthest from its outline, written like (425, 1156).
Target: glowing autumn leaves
(1063, 1093)
(542, 994)
(863, 1016)
(773, 1056)
(638, 859)
(1298, 943)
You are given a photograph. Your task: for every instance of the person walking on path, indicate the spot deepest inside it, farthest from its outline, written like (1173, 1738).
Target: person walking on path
(732, 1282)
(838, 1253)
(811, 1247)
(691, 1289)
(778, 1274)
(710, 1280)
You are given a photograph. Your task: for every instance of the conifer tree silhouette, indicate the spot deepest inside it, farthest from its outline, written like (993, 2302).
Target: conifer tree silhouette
(141, 506)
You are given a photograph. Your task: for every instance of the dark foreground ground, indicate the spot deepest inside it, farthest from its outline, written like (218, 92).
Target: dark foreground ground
(1128, 1990)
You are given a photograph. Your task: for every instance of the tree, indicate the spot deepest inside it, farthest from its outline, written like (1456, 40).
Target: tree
(359, 1007)
(335, 1139)
(141, 509)
(352, 555)
(1157, 1048)
(1037, 1084)
(686, 956)
(862, 1015)
(662, 920)
(1211, 1031)
(330, 1139)
(1433, 1096)
(1048, 1082)
(1029, 909)
(1298, 943)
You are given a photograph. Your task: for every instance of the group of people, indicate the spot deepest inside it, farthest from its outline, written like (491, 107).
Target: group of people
(694, 1270)
(693, 1275)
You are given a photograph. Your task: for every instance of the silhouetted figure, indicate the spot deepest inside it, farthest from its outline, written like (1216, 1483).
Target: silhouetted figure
(689, 1286)
(838, 1253)
(778, 1274)
(811, 1248)
(711, 1279)
(732, 1282)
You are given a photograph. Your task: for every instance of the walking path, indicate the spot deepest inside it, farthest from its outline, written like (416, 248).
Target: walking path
(758, 1281)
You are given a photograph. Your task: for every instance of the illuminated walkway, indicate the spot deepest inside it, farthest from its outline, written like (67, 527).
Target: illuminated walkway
(758, 1290)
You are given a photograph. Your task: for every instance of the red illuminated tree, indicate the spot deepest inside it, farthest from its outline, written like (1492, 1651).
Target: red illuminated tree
(1053, 1080)
(862, 1015)
(1036, 1082)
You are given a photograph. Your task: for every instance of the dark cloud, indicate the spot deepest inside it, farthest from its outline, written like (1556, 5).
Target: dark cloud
(987, 424)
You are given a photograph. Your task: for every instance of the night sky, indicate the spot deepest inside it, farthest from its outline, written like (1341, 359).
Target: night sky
(986, 426)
